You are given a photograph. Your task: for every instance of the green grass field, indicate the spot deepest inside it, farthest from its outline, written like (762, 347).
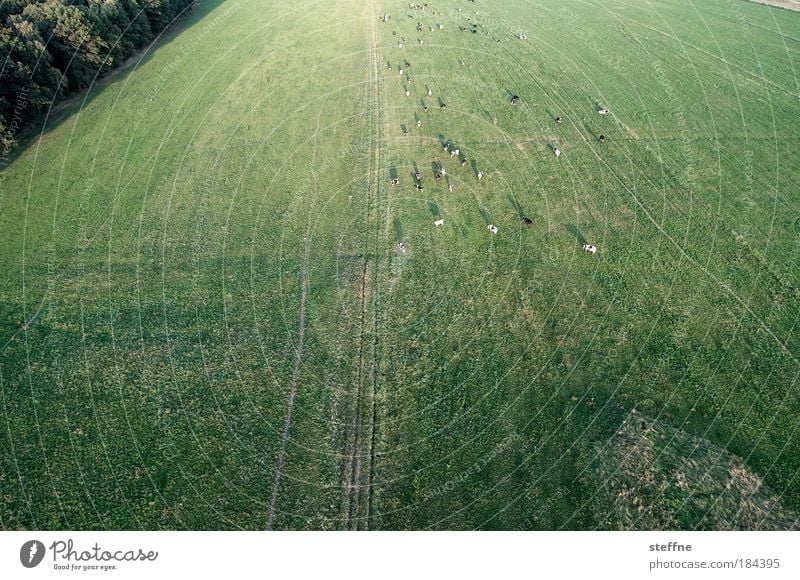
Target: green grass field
(206, 321)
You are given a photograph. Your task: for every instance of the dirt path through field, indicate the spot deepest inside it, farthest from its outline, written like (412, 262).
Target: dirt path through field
(788, 4)
(362, 433)
(298, 355)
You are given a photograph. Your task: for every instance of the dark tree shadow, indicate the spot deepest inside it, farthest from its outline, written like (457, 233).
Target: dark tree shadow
(62, 109)
(573, 229)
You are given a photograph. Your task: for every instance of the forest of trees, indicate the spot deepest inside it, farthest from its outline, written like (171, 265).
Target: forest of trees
(51, 48)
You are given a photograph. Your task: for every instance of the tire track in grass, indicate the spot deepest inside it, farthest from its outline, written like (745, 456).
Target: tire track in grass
(355, 449)
(301, 330)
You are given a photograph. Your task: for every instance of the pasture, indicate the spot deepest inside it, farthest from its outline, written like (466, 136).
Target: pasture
(207, 320)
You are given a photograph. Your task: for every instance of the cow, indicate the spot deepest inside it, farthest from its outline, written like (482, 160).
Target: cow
(603, 111)
(557, 152)
(492, 228)
(602, 138)
(527, 221)
(589, 248)
(438, 223)
(480, 175)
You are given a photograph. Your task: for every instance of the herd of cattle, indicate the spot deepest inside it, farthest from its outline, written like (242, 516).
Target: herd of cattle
(449, 147)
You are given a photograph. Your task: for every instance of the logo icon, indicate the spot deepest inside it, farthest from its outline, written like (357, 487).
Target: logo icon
(31, 553)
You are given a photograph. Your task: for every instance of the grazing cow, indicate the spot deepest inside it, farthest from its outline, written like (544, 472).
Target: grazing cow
(438, 223)
(402, 247)
(394, 181)
(589, 248)
(454, 153)
(463, 162)
(480, 175)
(418, 175)
(557, 152)
(450, 187)
(400, 71)
(443, 106)
(399, 45)
(419, 123)
(602, 138)
(603, 111)
(527, 221)
(492, 228)
(514, 100)
(430, 93)
(438, 175)
(408, 93)
(558, 119)
(425, 109)
(494, 120)
(446, 147)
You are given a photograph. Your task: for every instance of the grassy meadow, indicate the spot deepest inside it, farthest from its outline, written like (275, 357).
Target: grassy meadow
(207, 320)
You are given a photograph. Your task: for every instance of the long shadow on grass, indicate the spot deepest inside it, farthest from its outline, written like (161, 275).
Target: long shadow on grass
(485, 214)
(62, 109)
(573, 229)
(398, 230)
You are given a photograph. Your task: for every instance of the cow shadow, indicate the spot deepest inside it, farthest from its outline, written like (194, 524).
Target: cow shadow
(398, 230)
(576, 233)
(517, 207)
(434, 209)
(485, 214)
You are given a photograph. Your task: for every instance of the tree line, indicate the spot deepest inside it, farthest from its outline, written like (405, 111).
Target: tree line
(52, 48)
